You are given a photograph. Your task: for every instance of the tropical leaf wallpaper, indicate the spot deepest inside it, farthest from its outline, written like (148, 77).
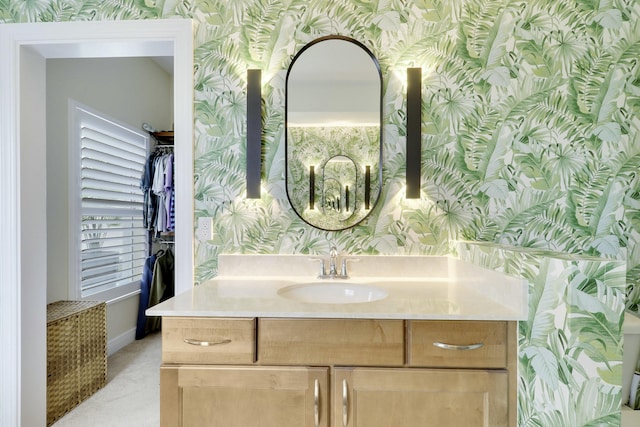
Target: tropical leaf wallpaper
(531, 119)
(570, 348)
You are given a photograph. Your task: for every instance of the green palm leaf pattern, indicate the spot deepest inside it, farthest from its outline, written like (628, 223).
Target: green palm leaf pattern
(531, 124)
(576, 305)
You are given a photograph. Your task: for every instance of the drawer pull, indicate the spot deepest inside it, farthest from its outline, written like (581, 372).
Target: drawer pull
(458, 347)
(345, 403)
(316, 402)
(205, 343)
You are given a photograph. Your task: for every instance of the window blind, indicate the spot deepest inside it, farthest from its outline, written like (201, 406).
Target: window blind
(113, 240)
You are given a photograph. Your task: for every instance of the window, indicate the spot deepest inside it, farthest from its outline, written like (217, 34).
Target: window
(107, 217)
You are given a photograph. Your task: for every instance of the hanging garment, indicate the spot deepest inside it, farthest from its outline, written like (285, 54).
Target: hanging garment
(162, 286)
(161, 212)
(149, 198)
(157, 185)
(145, 286)
(172, 212)
(168, 190)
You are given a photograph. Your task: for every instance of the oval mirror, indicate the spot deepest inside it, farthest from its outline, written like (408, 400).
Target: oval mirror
(333, 132)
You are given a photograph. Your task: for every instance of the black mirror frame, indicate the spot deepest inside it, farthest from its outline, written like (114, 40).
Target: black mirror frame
(286, 113)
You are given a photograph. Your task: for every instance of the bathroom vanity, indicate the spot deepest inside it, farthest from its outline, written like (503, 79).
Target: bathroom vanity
(436, 344)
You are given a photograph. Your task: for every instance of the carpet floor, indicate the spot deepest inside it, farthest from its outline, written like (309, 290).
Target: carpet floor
(131, 397)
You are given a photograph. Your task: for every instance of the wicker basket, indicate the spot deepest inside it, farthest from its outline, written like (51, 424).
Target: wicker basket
(76, 354)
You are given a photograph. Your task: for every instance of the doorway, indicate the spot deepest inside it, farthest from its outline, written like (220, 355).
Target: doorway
(26, 47)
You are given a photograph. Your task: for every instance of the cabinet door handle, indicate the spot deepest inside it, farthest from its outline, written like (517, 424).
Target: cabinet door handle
(205, 343)
(316, 402)
(458, 347)
(345, 403)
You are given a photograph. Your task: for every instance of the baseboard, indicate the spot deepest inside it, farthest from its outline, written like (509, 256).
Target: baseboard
(121, 341)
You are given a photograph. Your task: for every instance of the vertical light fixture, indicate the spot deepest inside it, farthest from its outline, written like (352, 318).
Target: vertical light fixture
(254, 132)
(367, 187)
(312, 187)
(414, 137)
(346, 198)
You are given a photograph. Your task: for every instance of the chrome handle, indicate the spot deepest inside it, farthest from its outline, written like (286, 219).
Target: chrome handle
(345, 403)
(316, 402)
(205, 343)
(322, 272)
(458, 347)
(343, 271)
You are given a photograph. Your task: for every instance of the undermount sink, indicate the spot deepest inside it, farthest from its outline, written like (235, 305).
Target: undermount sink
(332, 293)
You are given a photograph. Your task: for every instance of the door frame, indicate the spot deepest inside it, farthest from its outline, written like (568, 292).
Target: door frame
(24, 49)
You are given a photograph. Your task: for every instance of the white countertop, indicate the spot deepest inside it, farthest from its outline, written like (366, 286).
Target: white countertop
(445, 289)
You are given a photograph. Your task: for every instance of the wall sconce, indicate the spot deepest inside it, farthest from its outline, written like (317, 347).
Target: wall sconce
(254, 132)
(346, 198)
(312, 187)
(414, 137)
(367, 187)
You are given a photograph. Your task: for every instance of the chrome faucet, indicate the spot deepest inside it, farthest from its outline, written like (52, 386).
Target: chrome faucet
(333, 256)
(333, 266)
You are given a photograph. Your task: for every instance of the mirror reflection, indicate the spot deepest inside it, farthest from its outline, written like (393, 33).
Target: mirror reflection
(339, 183)
(333, 137)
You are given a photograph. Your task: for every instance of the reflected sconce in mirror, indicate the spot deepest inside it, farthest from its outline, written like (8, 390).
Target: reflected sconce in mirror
(312, 187)
(414, 137)
(346, 198)
(254, 132)
(367, 187)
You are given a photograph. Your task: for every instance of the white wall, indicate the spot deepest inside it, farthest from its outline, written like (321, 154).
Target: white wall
(33, 227)
(131, 90)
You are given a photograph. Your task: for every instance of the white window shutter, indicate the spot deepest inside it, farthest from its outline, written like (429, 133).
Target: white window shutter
(112, 238)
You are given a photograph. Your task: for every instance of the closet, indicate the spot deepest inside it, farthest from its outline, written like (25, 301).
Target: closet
(158, 276)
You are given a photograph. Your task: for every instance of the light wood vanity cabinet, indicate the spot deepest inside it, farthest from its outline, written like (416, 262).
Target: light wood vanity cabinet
(419, 397)
(448, 344)
(351, 342)
(243, 396)
(337, 372)
(206, 340)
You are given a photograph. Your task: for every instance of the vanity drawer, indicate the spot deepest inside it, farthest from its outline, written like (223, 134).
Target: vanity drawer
(468, 344)
(208, 340)
(331, 342)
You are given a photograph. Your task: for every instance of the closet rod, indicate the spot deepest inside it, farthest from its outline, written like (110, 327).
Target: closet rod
(161, 241)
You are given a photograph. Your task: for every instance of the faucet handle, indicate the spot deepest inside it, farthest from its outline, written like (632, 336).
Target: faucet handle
(322, 272)
(343, 270)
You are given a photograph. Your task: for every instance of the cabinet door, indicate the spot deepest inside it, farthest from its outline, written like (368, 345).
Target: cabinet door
(366, 397)
(244, 396)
